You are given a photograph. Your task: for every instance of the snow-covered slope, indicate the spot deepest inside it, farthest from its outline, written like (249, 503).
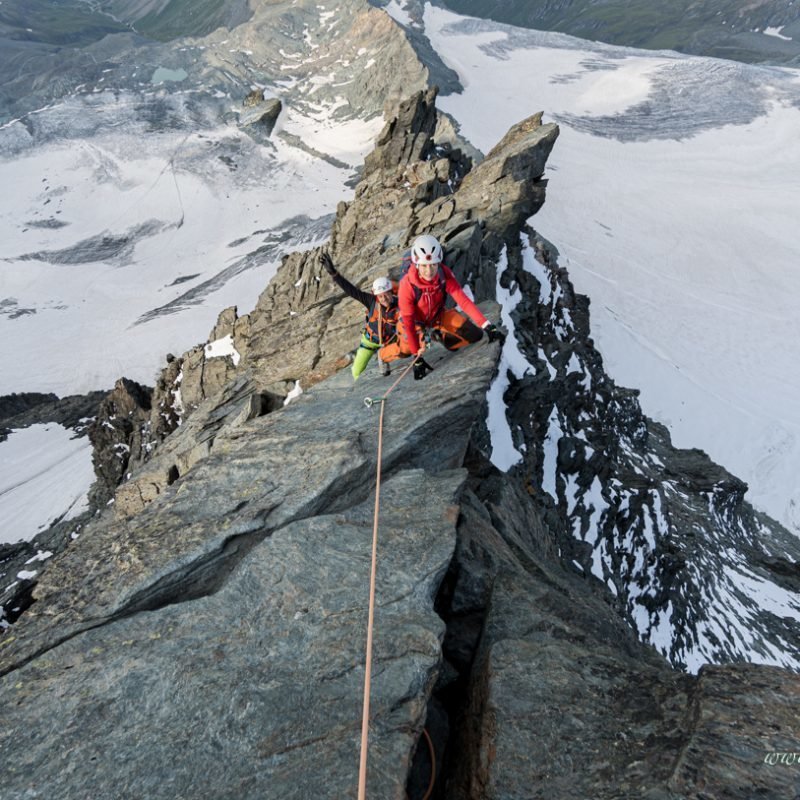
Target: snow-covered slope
(121, 247)
(45, 472)
(674, 202)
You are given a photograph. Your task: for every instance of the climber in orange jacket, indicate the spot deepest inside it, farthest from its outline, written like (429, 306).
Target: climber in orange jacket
(421, 298)
(381, 319)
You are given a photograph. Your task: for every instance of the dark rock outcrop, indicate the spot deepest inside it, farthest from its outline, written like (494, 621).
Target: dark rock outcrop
(118, 433)
(263, 114)
(669, 532)
(35, 408)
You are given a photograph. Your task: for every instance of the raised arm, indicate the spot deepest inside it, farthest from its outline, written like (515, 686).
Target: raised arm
(365, 298)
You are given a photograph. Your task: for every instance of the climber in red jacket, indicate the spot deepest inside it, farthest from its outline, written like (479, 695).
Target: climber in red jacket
(421, 297)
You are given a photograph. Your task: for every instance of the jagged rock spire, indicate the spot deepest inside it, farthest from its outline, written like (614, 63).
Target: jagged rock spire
(408, 136)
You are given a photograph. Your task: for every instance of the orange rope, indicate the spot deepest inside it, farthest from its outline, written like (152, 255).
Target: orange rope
(402, 375)
(362, 771)
(433, 765)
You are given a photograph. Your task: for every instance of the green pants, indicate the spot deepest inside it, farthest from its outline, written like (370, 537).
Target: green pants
(365, 351)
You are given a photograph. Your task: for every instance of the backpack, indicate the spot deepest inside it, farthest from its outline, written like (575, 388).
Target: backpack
(406, 265)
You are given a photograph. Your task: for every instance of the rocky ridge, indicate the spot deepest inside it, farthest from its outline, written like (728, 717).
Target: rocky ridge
(33, 408)
(299, 328)
(222, 578)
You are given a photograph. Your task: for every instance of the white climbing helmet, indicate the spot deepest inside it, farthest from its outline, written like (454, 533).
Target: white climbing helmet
(381, 285)
(426, 250)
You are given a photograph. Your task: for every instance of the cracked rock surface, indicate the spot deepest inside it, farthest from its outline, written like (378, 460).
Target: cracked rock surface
(255, 690)
(235, 605)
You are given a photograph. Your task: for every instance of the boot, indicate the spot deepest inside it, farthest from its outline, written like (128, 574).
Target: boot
(384, 367)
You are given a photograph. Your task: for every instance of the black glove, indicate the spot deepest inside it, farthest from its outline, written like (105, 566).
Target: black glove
(421, 369)
(327, 264)
(495, 334)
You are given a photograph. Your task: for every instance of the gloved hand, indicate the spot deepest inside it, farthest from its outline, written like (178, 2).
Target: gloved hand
(326, 263)
(495, 334)
(421, 369)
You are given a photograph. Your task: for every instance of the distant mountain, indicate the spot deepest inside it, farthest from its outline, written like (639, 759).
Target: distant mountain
(171, 19)
(754, 32)
(77, 23)
(71, 23)
(54, 49)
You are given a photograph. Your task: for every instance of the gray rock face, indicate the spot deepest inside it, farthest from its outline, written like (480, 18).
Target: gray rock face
(232, 493)
(269, 668)
(240, 594)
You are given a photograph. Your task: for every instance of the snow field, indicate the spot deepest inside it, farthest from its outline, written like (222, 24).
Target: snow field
(687, 247)
(45, 473)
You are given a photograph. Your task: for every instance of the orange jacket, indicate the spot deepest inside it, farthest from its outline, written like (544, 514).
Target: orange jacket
(422, 302)
(380, 325)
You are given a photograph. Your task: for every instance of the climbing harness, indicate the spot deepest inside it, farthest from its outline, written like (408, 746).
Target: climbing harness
(376, 321)
(362, 772)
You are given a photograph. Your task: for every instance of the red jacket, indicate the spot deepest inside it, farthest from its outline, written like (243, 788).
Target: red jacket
(422, 302)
